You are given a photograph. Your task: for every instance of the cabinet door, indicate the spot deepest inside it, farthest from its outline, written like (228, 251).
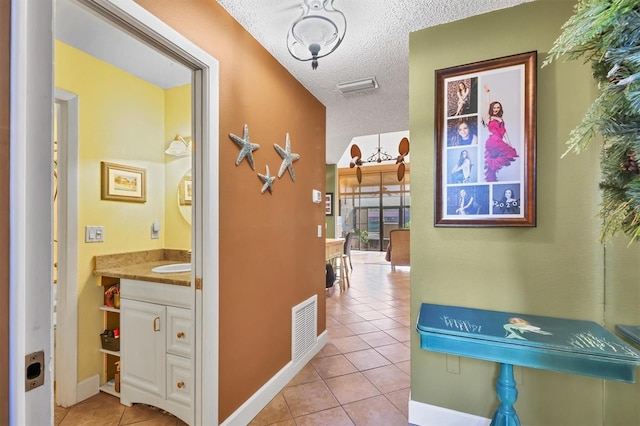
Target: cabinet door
(179, 381)
(143, 347)
(179, 336)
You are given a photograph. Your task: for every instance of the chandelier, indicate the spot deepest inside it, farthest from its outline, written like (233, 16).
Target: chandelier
(317, 32)
(379, 156)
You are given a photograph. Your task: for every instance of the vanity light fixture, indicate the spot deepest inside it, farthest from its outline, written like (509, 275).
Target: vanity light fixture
(179, 147)
(317, 32)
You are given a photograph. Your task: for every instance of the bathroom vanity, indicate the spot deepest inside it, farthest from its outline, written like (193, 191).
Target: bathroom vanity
(156, 333)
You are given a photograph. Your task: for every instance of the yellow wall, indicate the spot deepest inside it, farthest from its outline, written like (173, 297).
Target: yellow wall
(122, 120)
(177, 122)
(557, 268)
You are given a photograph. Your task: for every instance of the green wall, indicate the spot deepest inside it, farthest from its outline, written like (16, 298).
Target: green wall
(331, 185)
(556, 269)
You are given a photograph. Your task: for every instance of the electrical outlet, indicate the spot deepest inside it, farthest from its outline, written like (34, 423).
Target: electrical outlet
(93, 234)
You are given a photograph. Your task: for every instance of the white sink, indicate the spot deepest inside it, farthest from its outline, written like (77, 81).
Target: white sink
(173, 268)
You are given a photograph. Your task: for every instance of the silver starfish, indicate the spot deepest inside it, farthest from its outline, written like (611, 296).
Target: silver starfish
(268, 181)
(246, 147)
(287, 158)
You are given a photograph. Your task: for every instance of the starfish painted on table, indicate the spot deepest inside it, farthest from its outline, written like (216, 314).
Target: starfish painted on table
(287, 158)
(246, 147)
(268, 181)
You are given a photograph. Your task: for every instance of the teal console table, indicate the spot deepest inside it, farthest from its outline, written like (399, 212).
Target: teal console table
(557, 344)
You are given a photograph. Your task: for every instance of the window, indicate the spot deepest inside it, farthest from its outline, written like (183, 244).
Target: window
(373, 207)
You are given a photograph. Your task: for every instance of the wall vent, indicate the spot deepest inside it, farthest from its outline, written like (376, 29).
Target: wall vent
(304, 324)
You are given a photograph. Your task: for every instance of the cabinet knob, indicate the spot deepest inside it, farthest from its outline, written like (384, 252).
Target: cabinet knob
(180, 385)
(180, 335)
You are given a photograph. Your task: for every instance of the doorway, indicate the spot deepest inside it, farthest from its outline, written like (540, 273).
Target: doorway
(132, 19)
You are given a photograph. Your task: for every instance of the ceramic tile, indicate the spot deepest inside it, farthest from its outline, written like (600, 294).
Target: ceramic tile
(334, 417)
(332, 366)
(362, 327)
(386, 324)
(388, 378)
(138, 413)
(328, 350)
(350, 344)
(402, 334)
(395, 353)
(400, 399)
(309, 398)
(276, 411)
(351, 387)
(375, 411)
(306, 375)
(366, 359)
(379, 338)
(335, 332)
(404, 366)
(372, 315)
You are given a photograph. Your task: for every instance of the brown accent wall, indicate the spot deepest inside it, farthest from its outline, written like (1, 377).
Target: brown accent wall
(5, 39)
(270, 256)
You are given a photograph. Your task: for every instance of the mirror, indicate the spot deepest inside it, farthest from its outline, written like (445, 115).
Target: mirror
(185, 196)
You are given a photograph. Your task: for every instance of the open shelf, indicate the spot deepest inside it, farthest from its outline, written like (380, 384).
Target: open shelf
(109, 309)
(110, 388)
(107, 351)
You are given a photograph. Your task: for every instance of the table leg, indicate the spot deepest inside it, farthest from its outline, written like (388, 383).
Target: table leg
(507, 394)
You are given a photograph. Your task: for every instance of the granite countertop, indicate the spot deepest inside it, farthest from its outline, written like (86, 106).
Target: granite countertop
(137, 265)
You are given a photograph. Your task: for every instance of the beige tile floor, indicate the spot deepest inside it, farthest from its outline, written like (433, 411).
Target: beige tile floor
(361, 377)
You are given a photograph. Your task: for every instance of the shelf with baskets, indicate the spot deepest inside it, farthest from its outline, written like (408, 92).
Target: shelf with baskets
(110, 348)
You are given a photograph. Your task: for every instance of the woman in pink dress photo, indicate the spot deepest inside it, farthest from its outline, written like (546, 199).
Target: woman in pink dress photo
(498, 152)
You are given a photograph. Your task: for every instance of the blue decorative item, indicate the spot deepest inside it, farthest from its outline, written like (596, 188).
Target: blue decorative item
(246, 147)
(268, 181)
(556, 344)
(287, 158)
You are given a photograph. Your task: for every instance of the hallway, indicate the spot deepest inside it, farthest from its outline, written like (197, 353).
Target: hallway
(361, 377)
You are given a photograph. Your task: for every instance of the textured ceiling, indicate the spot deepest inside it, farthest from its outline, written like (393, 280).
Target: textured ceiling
(376, 44)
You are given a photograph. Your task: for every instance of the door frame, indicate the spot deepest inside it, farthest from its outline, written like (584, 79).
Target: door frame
(66, 331)
(31, 106)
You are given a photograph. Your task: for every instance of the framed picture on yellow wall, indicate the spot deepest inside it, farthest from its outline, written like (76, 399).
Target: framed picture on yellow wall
(123, 183)
(486, 143)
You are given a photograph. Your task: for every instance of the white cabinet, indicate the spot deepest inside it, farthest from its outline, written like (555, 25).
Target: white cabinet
(156, 347)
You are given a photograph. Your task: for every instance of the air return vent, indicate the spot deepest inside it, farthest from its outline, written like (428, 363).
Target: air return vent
(304, 324)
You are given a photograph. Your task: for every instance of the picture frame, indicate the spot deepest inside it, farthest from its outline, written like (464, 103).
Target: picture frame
(185, 190)
(485, 140)
(123, 183)
(328, 204)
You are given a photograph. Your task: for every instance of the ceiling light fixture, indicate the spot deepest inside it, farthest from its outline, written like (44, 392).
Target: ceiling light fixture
(378, 157)
(357, 85)
(317, 32)
(179, 147)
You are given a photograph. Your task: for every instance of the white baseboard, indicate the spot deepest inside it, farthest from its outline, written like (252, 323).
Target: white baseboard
(422, 414)
(88, 387)
(269, 390)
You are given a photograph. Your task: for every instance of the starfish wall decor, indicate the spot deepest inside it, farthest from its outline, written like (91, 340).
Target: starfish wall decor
(268, 181)
(287, 158)
(246, 147)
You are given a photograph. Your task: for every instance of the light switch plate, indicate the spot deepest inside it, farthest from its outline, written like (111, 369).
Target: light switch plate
(316, 196)
(93, 234)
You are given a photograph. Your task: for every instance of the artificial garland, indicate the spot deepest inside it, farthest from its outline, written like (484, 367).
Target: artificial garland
(606, 33)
